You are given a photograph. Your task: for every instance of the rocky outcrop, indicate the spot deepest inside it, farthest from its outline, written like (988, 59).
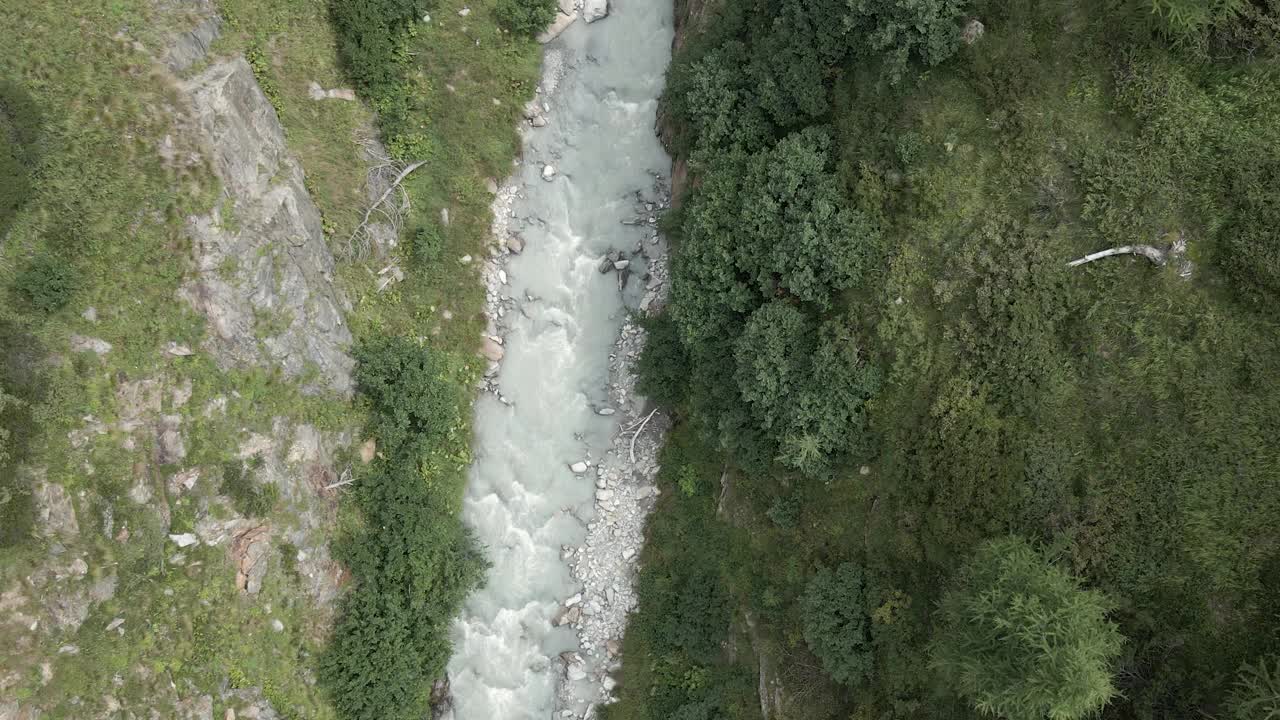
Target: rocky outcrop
(263, 270)
(691, 18)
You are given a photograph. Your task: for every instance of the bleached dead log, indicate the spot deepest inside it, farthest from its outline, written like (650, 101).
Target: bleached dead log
(1154, 254)
(1175, 254)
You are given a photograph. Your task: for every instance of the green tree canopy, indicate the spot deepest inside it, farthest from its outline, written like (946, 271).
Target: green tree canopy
(903, 31)
(764, 225)
(836, 625)
(1020, 638)
(805, 384)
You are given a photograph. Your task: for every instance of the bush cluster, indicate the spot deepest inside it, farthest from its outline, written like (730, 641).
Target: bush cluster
(47, 282)
(525, 17)
(412, 562)
(836, 625)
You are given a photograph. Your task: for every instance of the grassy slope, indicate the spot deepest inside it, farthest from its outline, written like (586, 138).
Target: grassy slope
(1116, 412)
(107, 205)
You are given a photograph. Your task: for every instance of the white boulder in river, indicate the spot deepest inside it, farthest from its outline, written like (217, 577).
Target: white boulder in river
(593, 10)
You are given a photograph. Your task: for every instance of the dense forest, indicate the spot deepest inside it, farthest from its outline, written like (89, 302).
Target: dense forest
(923, 466)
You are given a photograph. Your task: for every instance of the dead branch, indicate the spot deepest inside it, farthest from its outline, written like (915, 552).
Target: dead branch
(347, 479)
(636, 434)
(395, 185)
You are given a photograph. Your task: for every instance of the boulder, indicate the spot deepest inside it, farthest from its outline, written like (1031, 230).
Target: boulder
(80, 343)
(491, 350)
(170, 448)
(973, 31)
(593, 10)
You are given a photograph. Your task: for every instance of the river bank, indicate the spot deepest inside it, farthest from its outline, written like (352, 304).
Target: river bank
(559, 491)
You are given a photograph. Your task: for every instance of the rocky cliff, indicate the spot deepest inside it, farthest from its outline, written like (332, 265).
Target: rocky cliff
(183, 535)
(263, 272)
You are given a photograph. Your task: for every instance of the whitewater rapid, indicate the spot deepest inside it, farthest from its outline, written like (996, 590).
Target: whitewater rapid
(557, 317)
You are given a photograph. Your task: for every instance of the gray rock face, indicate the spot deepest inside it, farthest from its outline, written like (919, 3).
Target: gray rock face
(190, 47)
(263, 267)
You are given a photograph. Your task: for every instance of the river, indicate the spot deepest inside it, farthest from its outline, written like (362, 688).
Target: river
(556, 400)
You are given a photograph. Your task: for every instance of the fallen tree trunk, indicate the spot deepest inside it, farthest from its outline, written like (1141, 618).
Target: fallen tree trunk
(1154, 254)
(364, 222)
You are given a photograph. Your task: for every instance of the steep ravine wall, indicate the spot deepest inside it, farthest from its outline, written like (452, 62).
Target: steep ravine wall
(82, 628)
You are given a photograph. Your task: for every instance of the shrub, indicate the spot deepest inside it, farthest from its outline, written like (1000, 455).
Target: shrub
(249, 498)
(369, 35)
(836, 626)
(425, 246)
(47, 282)
(417, 407)
(1187, 21)
(785, 512)
(1019, 638)
(525, 17)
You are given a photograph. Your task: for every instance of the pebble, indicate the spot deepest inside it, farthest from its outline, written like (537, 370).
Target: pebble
(578, 467)
(548, 172)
